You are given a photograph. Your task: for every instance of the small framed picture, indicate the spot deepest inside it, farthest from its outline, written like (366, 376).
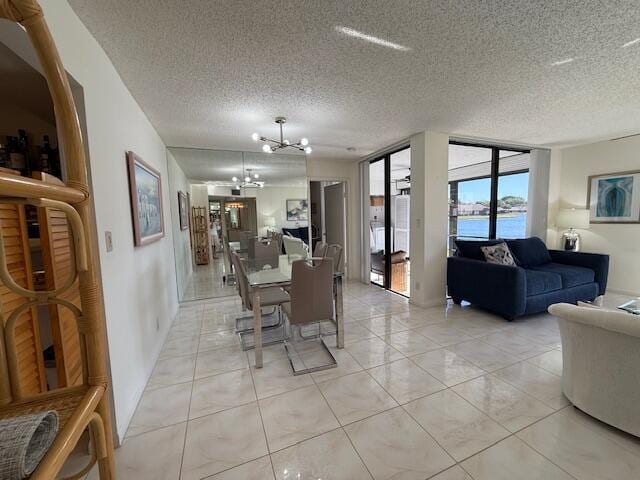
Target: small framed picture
(297, 210)
(183, 209)
(145, 188)
(614, 197)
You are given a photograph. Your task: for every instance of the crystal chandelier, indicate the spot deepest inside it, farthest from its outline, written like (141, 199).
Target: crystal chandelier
(271, 146)
(250, 179)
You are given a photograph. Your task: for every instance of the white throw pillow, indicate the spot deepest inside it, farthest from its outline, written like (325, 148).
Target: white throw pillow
(499, 254)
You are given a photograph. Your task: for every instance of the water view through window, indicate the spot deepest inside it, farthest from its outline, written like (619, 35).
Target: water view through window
(474, 202)
(478, 176)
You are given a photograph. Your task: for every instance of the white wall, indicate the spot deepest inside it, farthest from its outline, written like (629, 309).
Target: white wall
(181, 244)
(139, 283)
(272, 201)
(346, 171)
(621, 242)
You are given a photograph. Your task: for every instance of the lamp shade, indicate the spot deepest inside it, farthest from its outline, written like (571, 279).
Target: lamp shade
(573, 218)
(269, 222)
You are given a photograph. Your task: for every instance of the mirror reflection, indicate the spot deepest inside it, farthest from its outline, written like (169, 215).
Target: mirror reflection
(231, 198)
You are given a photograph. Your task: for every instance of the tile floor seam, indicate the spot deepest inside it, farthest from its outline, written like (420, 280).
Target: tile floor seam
(555, 409)
(342, 426)
(264, 430)
(186, 430)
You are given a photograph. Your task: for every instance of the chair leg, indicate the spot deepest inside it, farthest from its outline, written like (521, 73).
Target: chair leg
(101, 431)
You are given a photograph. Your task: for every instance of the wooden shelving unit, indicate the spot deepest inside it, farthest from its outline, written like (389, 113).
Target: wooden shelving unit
(200, 235)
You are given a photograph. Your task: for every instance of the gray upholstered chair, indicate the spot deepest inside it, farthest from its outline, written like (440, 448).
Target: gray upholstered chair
(269, 297)
(335, 253)
(244, 237)
(321, 250)
(311, 302)
(263, 254)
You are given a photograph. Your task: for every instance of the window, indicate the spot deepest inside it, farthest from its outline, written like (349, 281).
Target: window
(488, 192)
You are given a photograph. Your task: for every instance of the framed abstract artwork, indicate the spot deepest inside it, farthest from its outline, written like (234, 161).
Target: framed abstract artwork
(145, 188)
(614, 197)
(183, 210)
(297, 210)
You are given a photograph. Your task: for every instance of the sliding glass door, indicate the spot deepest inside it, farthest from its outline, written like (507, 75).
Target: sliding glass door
(389, 222)
(488, 192)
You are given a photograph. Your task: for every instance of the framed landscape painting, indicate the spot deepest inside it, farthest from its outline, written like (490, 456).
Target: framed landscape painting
(145, 188)
(614, 197)
(297, 210)
(183, 209)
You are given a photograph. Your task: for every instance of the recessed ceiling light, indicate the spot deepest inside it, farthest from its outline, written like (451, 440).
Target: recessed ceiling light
(371, 39)
(632, 42)
(562, 62)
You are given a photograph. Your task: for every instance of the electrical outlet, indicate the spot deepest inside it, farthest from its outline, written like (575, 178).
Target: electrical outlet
(108, 241)
(417, 286)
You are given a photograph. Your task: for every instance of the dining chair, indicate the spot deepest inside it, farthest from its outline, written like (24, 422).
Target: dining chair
(244, 237)
(321, 250)
(334, 252)
(277, 237)
(263, 254)
(229, 277)
(269, 297)
(294, 247)
(311, 295)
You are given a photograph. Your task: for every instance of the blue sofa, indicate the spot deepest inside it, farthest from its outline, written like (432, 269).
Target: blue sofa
(298, 232)
(541, 277)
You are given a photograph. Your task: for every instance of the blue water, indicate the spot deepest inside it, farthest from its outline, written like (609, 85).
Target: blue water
(508, 227)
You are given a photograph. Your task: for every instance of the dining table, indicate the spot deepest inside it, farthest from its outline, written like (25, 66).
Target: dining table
(260, 279)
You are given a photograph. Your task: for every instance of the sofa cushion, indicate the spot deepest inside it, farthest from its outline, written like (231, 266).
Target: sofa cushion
(529, 252)
(571, 275)
(539, 282)
(472, 248)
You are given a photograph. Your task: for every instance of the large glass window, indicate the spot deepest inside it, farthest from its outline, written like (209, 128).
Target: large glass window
(488, 192)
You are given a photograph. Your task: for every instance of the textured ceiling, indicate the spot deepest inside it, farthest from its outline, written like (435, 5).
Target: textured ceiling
(218, 167)
(209, 73)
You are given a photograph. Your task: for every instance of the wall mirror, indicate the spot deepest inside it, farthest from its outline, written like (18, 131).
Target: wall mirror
(246, 194)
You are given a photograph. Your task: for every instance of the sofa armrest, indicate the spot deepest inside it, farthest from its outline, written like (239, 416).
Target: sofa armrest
(597, 262)
(501, 288)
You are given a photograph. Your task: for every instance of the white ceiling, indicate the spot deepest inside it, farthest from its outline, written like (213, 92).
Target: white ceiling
(208, 74)
(218, 167)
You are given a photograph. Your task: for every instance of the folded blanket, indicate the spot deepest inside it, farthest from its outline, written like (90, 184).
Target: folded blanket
(24, 441)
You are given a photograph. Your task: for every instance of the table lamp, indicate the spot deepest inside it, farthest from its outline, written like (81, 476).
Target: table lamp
(269, 222)
(572, 218)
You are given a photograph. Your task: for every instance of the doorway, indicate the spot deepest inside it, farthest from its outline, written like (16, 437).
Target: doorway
(389, 220)
(329, 215)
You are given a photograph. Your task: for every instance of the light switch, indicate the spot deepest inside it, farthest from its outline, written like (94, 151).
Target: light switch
(108, 241)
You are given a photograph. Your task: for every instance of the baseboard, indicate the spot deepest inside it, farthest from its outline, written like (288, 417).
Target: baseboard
(623, 292)
(122, 427)
(434, 302)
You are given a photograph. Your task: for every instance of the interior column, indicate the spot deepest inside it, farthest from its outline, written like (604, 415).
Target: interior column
(429, 180)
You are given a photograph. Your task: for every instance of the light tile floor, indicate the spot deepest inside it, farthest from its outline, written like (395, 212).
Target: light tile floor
(448, 393)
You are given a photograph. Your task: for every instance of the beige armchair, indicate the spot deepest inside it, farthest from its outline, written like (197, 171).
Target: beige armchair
(601, 363)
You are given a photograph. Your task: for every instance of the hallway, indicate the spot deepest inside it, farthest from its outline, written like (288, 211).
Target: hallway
(206, 281)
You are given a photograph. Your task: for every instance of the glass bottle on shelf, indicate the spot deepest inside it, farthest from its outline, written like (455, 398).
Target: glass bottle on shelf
(4, 156)
(24, 148)
(45, 155)
(17, 159)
